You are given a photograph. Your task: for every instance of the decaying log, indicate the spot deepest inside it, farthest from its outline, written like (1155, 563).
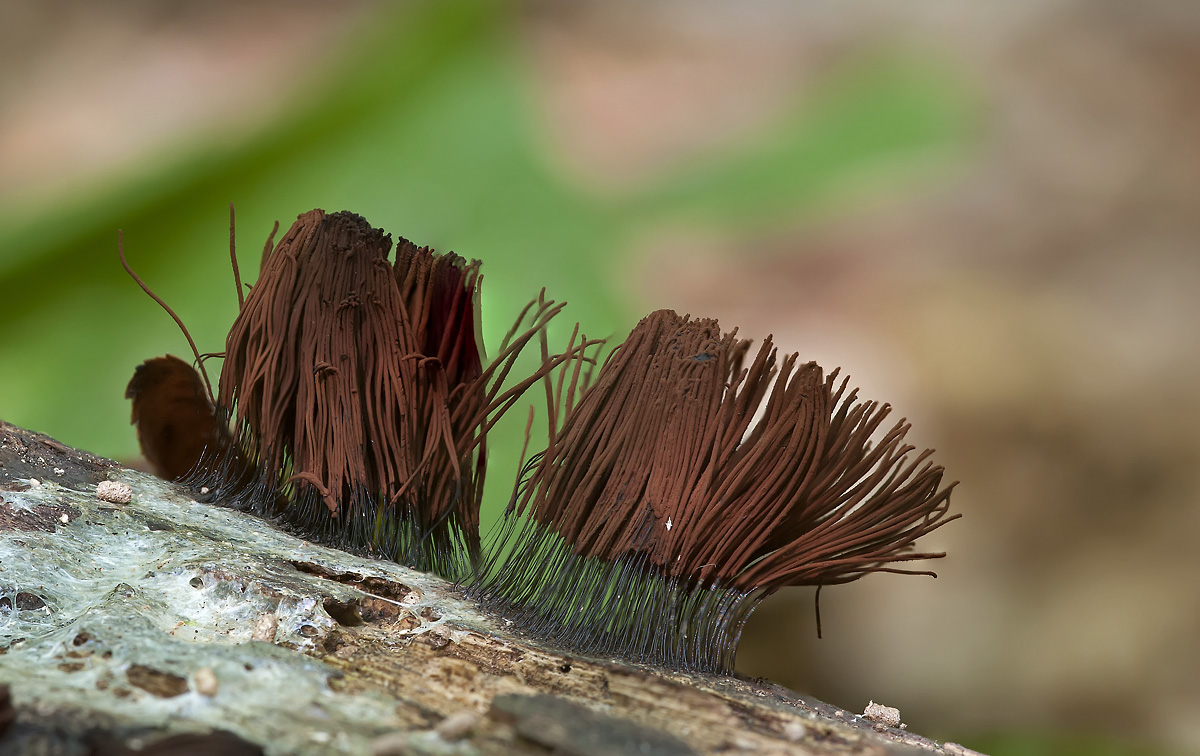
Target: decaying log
(125, 624)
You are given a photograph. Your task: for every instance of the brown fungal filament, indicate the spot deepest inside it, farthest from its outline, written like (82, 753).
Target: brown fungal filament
(660, 514)
(173, 404)
(165, 306)
(237, 273)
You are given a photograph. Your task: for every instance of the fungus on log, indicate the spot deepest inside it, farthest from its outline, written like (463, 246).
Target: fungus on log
(168, 623)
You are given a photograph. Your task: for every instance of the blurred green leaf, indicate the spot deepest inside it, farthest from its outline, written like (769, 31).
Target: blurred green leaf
(865, 117)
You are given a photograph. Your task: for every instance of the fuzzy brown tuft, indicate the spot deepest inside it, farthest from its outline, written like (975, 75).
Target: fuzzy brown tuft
(357, 387)
(661, 511)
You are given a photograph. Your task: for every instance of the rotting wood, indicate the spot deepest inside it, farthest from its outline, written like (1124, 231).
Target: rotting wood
(365, 654)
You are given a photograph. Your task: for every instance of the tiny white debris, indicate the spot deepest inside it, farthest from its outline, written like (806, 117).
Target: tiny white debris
(264, 629)
(885, 715)
(206, 682)
(203, 489)
(794, 731)
(34, 482)
(392, 744)
(59, 471)
(64, 519)
(668, 523)
(114, 491)
(320, 736)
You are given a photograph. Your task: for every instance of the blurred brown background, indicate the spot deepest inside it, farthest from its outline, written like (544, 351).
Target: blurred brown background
(1025, 290)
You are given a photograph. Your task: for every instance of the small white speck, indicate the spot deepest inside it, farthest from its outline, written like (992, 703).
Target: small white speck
(320, 736)
(59, 471)
(794, 731)
(668, 523)
(34, 483)
(64, 519)
(203, 489)
(885, 715)
(457, 726)
(114, 492)
(206, 682)
(264, 629)
(391, 744)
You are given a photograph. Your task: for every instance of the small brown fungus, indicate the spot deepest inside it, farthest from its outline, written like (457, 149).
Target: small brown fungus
(174, 416)
(661, 511)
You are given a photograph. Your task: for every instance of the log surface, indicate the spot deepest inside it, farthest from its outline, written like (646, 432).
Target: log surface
(123, 624)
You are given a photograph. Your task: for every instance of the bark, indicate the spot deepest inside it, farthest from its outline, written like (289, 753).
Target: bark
(127, 624)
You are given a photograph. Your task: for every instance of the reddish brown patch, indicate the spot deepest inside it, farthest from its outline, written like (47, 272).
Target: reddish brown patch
(156, 682)
(8, 714)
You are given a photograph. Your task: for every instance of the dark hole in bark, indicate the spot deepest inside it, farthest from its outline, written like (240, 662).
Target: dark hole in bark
(345, 613)
(26, 600)
(374, 585)
(378, 610)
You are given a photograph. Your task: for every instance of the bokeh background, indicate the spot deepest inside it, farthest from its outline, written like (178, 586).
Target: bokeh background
(987, 213)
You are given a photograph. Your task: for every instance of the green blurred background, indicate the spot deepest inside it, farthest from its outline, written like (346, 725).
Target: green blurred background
(986, 216)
